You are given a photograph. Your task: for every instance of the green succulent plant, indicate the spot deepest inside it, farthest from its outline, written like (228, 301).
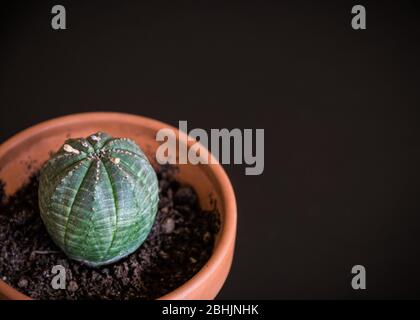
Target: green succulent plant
(98, 198)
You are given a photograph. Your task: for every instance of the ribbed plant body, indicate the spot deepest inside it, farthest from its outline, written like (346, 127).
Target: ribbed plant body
(98, 198)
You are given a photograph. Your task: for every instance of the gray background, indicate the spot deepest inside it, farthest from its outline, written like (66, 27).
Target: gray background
(339, 109)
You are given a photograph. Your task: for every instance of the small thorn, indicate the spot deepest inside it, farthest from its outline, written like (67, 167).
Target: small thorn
(95, 138)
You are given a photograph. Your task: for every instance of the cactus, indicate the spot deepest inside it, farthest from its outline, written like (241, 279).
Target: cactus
(98, 198)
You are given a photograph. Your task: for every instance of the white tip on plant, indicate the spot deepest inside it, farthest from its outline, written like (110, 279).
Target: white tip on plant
(69, 148)
(115, 160)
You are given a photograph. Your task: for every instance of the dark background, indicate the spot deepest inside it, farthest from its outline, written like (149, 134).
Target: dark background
(339, 107)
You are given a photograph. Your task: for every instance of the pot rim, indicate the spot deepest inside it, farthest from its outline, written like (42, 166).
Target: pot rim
(228, 226)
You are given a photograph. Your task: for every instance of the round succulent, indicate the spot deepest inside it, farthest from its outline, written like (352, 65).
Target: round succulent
(98, 198)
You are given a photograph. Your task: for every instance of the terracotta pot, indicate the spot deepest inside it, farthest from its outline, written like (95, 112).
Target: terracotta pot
(35, 143)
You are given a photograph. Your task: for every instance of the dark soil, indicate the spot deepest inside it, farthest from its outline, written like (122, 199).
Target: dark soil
(180, 243)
